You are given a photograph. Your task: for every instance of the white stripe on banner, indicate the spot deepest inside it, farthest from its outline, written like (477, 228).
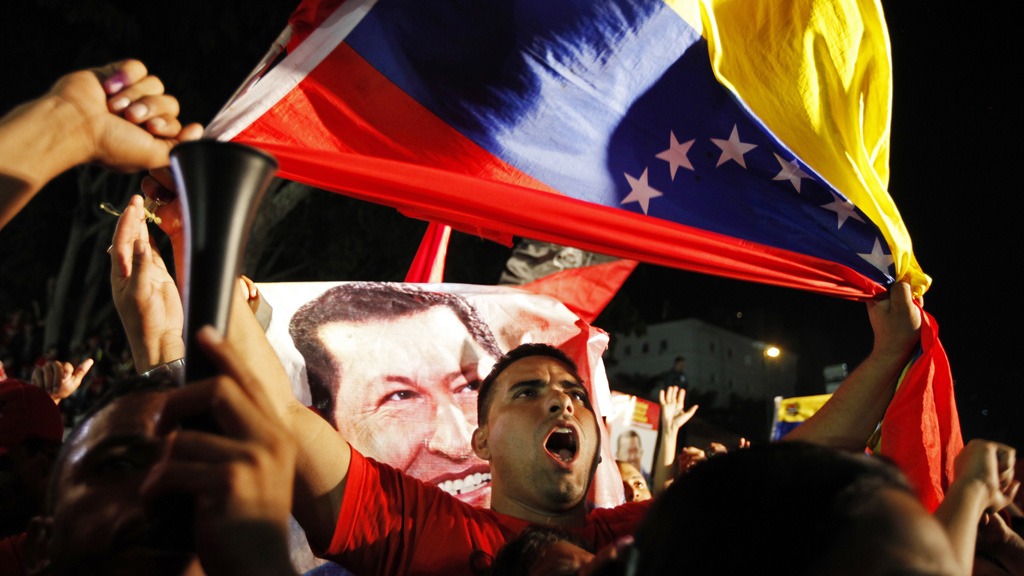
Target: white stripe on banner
(266, 92)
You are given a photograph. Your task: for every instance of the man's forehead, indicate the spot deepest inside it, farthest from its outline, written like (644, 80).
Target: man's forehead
(537, 367)
(132, 416)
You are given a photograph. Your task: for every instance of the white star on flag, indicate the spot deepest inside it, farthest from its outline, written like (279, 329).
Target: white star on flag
(676, 154)
(877, 258)
(640, 191)
(790, 171)
(733, 149)
(842, 208)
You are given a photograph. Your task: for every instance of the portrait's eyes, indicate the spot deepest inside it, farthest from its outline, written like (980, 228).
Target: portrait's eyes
(401, 395)
(471, 386)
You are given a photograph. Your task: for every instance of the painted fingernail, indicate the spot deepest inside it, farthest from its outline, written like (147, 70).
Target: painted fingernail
(120, 104)
(137, 110)
(115, 83)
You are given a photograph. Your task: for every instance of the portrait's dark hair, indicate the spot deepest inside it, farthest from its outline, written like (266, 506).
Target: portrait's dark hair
(518, 556)
(735, 513)
(366, 302)
(627, 434)
(121, 389)
(483, 400)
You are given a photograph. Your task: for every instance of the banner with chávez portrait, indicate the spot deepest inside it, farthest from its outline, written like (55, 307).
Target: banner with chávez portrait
(395, 368)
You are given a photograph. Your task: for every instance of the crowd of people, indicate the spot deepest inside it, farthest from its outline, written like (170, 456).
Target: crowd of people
(137, 487)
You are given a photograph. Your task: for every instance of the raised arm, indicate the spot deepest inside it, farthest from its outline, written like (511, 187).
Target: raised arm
(673, 417)
(117, 116)
(849, 418)
(983, 482)
(148, 302)
(324, 456)
(145, 295)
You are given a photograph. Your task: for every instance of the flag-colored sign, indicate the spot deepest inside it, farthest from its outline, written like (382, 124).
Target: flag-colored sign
(792, 412)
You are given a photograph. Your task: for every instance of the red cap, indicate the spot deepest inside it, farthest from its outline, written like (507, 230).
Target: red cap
(27, 412)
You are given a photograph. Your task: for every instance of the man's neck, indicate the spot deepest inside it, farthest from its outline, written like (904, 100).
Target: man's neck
(573, 517)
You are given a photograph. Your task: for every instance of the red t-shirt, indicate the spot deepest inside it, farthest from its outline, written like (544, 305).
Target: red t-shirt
(391, 523)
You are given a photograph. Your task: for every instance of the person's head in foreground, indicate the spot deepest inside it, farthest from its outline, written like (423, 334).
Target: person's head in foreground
(97, 520)
(396, 370)
(812, 509)
(541, 551)
(539, 433)
(132, 492)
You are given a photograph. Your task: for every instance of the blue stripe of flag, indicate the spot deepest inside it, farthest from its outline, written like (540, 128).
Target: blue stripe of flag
(579, 94)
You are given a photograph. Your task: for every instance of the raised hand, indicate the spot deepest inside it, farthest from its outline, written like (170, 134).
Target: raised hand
(127, 122)
(60, 379)
(896, 322)
(144, 293)
(672, 401)
(117, 116)
(988, 466)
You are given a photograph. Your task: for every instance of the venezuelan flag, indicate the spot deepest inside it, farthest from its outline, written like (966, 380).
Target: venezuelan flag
(747, 139)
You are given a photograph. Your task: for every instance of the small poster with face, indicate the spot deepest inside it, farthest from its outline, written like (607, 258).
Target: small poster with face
(633, 427)
(396, 367)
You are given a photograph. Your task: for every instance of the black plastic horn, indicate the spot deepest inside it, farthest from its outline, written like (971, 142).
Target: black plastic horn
(220, 185)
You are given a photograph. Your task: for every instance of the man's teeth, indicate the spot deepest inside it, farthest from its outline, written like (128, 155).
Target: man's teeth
(563, 431)
(565, 455)
(467, 484)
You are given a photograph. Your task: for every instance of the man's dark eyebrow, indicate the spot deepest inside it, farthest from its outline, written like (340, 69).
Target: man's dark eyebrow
(535, 383)
(575, 385)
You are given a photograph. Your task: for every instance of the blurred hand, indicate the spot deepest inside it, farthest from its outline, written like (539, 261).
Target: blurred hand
(989, 466)
(997, 540)
(60, 379)
(241, 479)
(689, 456)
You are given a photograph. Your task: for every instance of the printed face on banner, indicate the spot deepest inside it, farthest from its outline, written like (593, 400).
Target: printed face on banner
(396, 368)
(406, 392)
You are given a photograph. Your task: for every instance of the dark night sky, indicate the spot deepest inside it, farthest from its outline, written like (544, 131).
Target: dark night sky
(951, 156)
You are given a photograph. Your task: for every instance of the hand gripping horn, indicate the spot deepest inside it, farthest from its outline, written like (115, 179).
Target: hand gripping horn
(220, 185)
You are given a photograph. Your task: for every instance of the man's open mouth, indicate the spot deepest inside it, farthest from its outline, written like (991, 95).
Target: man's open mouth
(562, 444)
(468, 484)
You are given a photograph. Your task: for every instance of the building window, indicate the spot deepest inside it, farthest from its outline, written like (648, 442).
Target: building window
(647, 347)
(663, 346)
(712, 346)
(627, 350)
(728, 353)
